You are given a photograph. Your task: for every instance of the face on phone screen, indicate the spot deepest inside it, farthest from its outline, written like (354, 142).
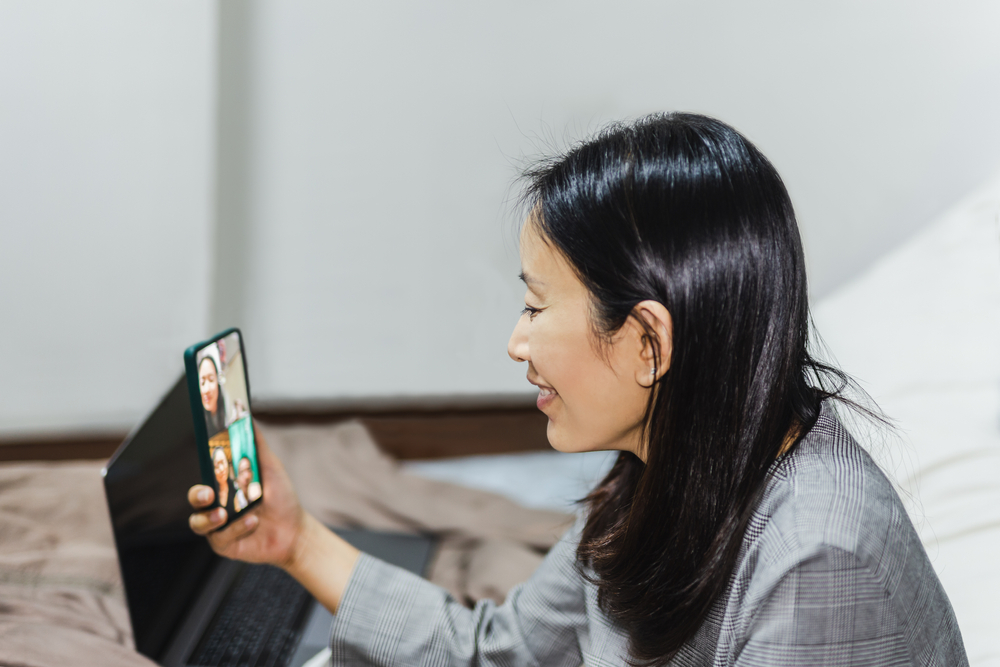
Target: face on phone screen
(226, 407)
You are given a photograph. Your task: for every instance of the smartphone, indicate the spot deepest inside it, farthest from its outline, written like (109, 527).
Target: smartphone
(223, 425)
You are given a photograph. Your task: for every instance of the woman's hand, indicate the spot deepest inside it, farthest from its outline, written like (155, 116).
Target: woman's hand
(269, 533)
(279, 532)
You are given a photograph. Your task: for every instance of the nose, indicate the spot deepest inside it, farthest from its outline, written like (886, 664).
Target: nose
(517, 346)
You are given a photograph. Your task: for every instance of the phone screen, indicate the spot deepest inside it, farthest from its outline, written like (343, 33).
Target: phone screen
(225, 407)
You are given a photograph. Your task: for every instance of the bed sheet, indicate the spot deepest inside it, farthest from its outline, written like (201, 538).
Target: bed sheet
(545, 480)
(921, 332)
(61, 597)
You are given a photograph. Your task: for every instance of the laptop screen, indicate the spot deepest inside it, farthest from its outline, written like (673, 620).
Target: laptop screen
(163, 563)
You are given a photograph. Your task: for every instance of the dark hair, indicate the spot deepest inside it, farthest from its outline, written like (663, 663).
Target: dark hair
(682, 209)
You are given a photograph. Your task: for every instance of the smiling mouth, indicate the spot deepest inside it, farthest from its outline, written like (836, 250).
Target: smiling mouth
(545, 397)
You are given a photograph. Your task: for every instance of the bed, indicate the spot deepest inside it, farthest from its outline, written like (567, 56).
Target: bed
(919, 330)
(61, 598)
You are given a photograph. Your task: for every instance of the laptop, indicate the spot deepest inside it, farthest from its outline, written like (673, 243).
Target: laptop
(189, 606)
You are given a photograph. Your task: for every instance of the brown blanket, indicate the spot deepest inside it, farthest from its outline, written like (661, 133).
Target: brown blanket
(61, 599)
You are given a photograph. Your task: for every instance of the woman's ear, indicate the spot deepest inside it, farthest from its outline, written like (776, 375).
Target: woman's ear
(656, 330)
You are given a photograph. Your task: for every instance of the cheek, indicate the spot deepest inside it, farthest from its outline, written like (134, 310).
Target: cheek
(557, 355)
(601, 412)
(598, 408)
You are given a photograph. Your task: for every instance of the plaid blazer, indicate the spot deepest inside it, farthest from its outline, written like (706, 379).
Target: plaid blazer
(831, 572)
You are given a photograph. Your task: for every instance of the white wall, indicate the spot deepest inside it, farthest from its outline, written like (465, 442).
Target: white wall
(339, 190)
(106, 190)
(379, 140)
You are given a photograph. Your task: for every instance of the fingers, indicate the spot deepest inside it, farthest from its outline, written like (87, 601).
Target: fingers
(270, 462)
(263, 450)
(200, 496)
(237, 530)
(203, 523)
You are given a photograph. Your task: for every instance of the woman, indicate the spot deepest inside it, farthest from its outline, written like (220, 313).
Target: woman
(211, 396)
(665, 317)
(220, 463)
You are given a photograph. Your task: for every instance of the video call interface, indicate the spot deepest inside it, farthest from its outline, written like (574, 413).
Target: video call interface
(226, 404)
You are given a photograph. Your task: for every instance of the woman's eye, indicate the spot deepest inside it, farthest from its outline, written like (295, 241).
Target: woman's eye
(531, 312)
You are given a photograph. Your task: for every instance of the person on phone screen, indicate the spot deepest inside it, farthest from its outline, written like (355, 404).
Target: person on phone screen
(665, 317)
(220, 462)
(247, 490)
(211, 396)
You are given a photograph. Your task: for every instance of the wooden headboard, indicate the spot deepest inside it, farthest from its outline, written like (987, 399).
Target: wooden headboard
(406, 431)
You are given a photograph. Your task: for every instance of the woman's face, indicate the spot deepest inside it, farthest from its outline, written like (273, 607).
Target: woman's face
(221, 467)
(594, 393)
(208, 380)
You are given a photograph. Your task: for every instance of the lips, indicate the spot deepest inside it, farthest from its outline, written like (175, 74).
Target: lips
(545, 395)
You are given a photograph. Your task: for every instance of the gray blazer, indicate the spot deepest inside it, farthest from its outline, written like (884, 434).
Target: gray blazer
(831, 572)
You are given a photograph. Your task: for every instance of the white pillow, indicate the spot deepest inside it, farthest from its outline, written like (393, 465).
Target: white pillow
(920, 331)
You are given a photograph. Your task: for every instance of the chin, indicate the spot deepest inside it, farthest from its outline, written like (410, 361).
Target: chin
(552, 434)
(561, 441)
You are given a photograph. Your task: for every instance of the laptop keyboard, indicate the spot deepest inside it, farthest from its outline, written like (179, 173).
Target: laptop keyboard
(257, 623)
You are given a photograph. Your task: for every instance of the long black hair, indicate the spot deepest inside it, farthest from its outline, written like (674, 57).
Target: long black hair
(682, 209)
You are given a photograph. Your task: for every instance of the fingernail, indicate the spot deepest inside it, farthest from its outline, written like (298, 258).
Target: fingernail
(250, 521)
(204, 495)
(219, 513)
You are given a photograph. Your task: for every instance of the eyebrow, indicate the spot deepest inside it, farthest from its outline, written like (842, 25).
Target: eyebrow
(528, 280)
